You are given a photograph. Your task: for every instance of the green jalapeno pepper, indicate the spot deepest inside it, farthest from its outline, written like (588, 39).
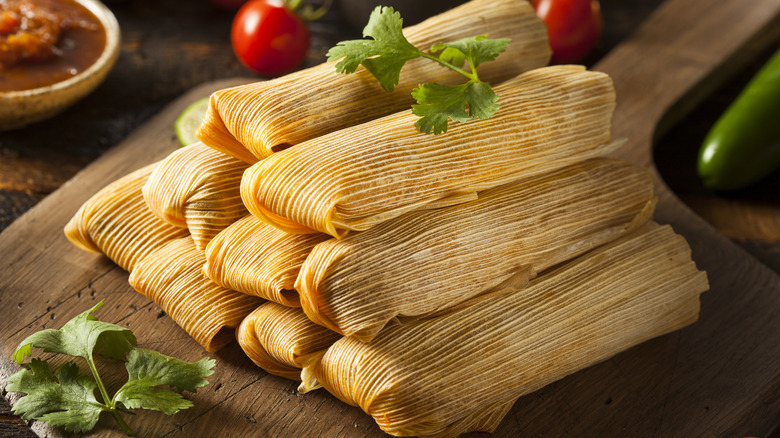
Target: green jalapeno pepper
(744, 144)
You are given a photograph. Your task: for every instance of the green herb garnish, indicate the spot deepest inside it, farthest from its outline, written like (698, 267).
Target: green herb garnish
(67, 400)
(388, 51)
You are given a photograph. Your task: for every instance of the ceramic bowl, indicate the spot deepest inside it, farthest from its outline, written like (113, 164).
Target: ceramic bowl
(21, 108)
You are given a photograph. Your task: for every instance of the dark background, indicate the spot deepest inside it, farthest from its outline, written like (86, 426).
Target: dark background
(170, 46)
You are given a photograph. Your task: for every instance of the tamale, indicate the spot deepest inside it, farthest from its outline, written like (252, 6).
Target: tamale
(198, 188)
(117, 222)
(425, 262)
(253, 121)
(463, 370)
(258, 259)
(172, 277)
(281, 340)
(358, 177)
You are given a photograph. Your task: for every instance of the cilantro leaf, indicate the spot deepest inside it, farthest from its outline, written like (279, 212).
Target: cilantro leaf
(451, 55)
(81, 336)
(476, 50)
(482, 100)
(384, 55)
(149, 369)
(437, 103)
(69, 403)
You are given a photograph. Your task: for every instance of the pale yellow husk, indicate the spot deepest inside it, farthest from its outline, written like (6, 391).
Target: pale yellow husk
(253, 121)
(172, 277)
(281, 340)
(258, 259)
(198, 188)
(425, 262)
(463, 370)
(358, 177)
(116, 222)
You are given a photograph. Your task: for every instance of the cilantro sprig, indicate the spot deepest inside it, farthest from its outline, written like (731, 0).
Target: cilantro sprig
(388, 51)
(66, 399)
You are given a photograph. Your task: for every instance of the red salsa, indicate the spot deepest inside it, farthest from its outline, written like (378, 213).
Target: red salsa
(43, 42)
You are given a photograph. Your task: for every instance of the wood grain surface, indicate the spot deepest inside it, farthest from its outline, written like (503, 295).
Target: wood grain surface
(719, 377)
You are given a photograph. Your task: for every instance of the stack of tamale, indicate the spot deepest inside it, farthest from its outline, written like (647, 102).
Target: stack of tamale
(430, 280)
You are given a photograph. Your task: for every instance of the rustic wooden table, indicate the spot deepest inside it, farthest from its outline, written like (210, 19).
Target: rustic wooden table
(170, 46)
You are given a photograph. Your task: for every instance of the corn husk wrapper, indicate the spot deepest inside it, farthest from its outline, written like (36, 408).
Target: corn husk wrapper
(463, 370)
(425, 262)
(253, 121)
(198, 188)
(116, 222)
(358, 177)
(281, 340)
(258, 259)
(172, 277)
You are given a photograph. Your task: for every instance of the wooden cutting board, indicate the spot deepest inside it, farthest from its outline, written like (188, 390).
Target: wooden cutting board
(718, 377)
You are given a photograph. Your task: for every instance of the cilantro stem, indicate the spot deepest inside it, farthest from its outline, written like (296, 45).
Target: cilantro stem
(98, 380)
(109, 403)
(125, 428)
(473, 75)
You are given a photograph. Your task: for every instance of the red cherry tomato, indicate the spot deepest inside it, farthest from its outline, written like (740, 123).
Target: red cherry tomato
(574, 27)
(269, 38)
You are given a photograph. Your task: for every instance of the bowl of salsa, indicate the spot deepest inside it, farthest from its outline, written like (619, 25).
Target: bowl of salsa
(52, 53)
